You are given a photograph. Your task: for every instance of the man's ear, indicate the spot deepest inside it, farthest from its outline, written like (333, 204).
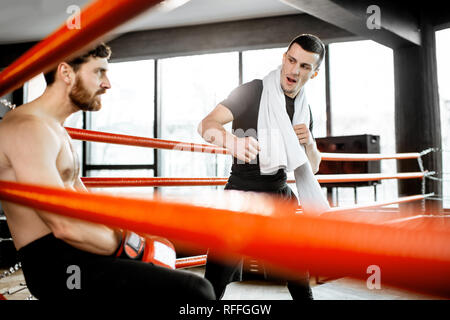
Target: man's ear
(66, 73)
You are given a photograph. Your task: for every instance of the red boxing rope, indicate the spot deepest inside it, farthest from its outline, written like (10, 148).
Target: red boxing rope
(197, 261)
(97, 19)
(97, 136)
(188, 262)
(100, 182)
(416, 258)
(92, 182)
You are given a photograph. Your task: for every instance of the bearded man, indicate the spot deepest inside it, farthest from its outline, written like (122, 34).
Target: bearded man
(36, 149)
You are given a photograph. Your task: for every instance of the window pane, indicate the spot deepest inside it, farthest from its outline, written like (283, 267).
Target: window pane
(316, 93)
(190, 88)
(443, 67)
(139, 191)
(128, 108)
(256, 64)
(362, 100)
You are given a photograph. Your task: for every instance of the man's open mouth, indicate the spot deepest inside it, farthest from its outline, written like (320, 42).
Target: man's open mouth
(291, 80)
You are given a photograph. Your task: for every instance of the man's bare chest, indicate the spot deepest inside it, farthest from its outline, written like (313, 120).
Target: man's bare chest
(67, 161)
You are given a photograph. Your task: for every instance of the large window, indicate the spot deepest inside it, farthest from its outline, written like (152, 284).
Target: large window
(362, 100)
(128, 108)
(443, 66)
(190, 88)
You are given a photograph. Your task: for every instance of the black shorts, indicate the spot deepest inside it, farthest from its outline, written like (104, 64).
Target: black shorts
(50, 267)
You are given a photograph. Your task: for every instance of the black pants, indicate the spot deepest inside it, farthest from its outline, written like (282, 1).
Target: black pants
(50, 266)
(221, 274)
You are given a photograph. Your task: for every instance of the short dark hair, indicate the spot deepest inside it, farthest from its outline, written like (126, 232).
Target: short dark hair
(310, 43)
(100, 51)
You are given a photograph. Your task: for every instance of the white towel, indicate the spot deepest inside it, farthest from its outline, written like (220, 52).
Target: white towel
(280, 148)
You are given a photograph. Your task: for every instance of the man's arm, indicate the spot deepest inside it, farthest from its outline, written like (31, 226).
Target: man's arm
(305, 138)
(79, 185)
(314, 156)
(211, 129)
(33, 153)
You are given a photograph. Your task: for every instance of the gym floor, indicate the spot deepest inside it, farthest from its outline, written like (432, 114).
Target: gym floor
(13, 288)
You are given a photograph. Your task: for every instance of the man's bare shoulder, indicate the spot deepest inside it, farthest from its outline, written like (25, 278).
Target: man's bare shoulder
(24, 128)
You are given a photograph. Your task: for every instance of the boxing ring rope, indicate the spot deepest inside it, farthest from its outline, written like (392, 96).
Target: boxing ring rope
(381, 203)
(97, 19)
(189, 262)
(98, 136)
(266, 229)
(200, 260)
(102, 182)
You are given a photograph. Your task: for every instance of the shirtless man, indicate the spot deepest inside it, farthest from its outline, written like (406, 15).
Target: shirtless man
(35, 148)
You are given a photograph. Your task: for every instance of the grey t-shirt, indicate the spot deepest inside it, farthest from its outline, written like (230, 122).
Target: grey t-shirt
(243, 102)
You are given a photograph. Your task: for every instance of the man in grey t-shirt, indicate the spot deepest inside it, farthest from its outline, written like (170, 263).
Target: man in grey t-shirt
(300, 63)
